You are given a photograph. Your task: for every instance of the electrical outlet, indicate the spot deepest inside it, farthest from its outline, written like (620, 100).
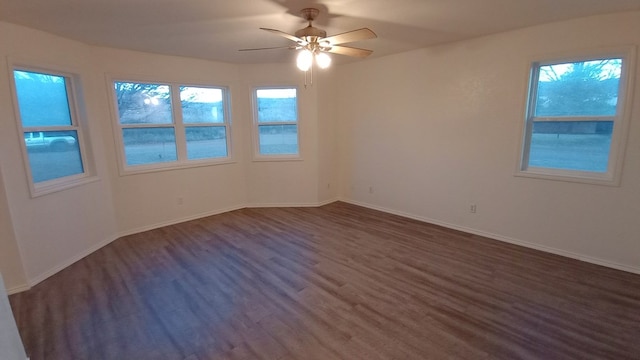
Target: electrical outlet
(473, 208)
(370, 189)
(180, 200)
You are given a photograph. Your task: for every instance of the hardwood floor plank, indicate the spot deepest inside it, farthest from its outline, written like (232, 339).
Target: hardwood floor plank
(335, 282)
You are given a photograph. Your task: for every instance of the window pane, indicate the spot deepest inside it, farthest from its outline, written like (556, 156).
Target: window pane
(588, 88)
(204, 142)
(278, 139)
(53, 154)
(143, 103)
(149, 145)
(277, 105)
(577, 145)
(201, 105)
(42, 99)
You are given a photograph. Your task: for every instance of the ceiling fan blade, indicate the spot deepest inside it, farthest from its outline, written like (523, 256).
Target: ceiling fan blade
(351, 36)
(293, 47)
(285, 35)
(350, 51)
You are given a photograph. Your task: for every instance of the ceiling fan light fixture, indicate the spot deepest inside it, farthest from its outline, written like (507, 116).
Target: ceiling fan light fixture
(304, 60)
(314, 45)
(323, 60)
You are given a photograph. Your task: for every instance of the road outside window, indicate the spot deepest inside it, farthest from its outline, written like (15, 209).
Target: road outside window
(575, 117)
(51, 135)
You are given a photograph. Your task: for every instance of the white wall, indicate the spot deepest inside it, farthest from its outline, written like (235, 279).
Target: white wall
(50, 230)
(151, 199)
(435, 130)
(10, 342)
(10, 259)
(328, 156)
(283, 182)
(430, 131)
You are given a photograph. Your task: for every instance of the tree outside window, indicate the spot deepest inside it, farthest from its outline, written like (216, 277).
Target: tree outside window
(573, 117)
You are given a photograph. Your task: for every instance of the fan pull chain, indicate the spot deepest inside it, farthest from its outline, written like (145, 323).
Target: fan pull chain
(310, 71)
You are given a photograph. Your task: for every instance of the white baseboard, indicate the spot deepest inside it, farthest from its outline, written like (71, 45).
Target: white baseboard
(41, 277)
(279, 205)
(18, 289)
(179, 220)
(548, 249)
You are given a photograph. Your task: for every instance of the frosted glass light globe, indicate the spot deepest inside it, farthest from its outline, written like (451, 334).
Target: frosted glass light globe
(304, 60)
(323, 60)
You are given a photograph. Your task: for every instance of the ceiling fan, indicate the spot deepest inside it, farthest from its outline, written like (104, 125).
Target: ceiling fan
(314, 43)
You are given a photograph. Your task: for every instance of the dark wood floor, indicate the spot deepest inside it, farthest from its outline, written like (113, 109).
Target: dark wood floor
(336, 282)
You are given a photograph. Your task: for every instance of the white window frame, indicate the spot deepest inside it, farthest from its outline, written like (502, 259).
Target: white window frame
(257, 156)
(177, 124)
(620, 120)
(78, 124)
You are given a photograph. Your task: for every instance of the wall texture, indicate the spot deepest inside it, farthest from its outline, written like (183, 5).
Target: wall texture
(149, 200)
(53, 230)
(424, 134)
(50, 232)
(282, 182)
(10, 259)
(435, 130)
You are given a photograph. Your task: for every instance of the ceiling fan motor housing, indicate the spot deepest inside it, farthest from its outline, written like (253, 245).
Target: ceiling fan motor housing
(316, 41)
(310, 31)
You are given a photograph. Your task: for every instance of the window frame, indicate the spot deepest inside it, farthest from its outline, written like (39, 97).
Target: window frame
(226, 124)
(178, 125)
(78, 124)
(257, 156)
(620, 119)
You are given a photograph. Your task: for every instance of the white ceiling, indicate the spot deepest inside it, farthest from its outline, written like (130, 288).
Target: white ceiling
(216, 29)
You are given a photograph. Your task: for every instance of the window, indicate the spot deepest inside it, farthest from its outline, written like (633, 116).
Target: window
(574, 126)
(204, 120)
(276, 122)
(156, 134)
(50, 132)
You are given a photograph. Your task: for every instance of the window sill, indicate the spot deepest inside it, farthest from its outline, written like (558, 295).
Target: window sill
(583, 177)
(272, 158)
(55, 186)
(144, 169)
